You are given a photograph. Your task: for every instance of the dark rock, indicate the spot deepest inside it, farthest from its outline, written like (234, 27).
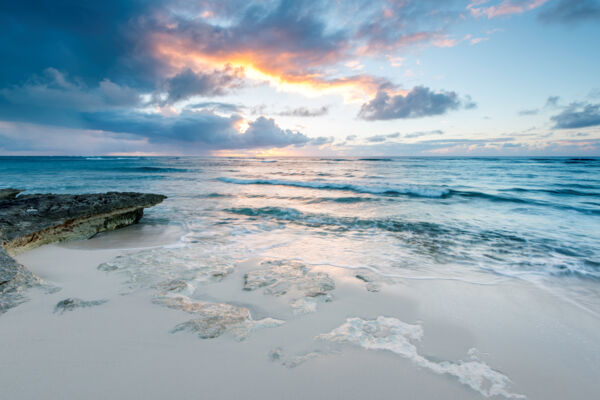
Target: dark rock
(14, 278)
(371, 281)
(32, 220)
(28, 221)
(9, 194)
(71, 304)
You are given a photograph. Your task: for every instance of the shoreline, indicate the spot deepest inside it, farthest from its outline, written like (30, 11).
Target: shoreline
(129, 340)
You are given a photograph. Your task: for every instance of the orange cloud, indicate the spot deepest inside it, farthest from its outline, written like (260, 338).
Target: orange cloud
(280, 70)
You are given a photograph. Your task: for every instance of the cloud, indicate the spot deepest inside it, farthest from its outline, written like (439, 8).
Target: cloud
(419, 102)
(293, 44)
(412, 135)
(284, 39)
(552, 101)
(195, 131)
(480, 8)
(533, 111)
(423, 133)
(321, 140)
(477, 147)
(305, 112)
(88, 39)
(578, 115)
(188, 83)
(594, 93)
(55, 89)
(571, 11)
(56, 99)
(385, 27)
(60, 101)
(376, 138)
(208, 48)
(216, 106)
(264, 132)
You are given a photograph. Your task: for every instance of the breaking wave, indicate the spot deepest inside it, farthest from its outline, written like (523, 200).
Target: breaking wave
(396, 190)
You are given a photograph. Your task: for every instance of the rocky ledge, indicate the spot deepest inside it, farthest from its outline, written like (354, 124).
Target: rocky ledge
(28, 221)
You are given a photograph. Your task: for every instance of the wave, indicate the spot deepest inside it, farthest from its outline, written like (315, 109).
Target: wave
(213, 195)
(559, 192)
(343, 223)
(422, 191)
(396, 190)
(110, 158)
(490, 249)
(375, 159)
(580, 160)
(341, 200)
(522, 200)
(149, 169)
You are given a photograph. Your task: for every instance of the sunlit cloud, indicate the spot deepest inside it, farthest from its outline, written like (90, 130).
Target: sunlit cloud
(504, 7)
(261, 67)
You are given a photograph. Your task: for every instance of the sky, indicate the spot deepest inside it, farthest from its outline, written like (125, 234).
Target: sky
(300, 78)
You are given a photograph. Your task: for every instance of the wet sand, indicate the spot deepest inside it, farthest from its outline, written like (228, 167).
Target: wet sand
(125, 348)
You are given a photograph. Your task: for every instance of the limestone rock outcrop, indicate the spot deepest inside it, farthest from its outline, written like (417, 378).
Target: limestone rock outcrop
(28, 221)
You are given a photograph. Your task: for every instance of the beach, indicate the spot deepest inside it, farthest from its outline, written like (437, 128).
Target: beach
(125, 348)
(300, 199)
(250, 296)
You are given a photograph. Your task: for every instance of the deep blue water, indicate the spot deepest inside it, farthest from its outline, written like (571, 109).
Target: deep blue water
(476, 219)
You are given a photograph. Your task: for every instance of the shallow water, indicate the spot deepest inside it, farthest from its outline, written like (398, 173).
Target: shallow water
(479, 220)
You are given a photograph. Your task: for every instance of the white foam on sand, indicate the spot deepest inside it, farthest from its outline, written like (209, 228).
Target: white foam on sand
(125, 348)
(391, 334)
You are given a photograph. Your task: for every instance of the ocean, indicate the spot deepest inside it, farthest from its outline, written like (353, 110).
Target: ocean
(478, 220)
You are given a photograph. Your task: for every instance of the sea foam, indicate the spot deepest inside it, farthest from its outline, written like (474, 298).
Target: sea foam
(391, 334)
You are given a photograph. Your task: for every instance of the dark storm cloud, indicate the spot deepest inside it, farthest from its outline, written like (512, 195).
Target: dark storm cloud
(419, 102)
(577, 115)
(56, 100)
(204, 130)
(571, 11)
(93, 40)
(189, 83)
(96, 65)
(117, 40)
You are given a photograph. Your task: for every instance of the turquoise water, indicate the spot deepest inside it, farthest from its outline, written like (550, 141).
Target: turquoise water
(475, 219)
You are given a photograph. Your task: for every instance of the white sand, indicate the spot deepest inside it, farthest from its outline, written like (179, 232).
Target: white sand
(123, 349)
